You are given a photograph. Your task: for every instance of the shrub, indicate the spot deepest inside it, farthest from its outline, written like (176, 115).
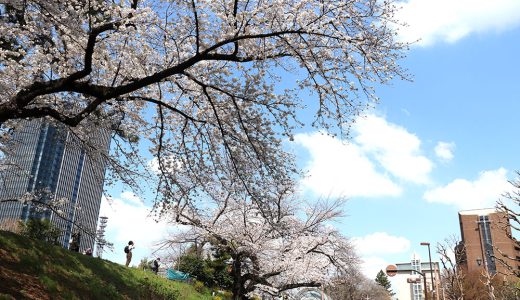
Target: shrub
(199, 286)
(227, 294)
(212, 272)
(144, 264)
(41, 229)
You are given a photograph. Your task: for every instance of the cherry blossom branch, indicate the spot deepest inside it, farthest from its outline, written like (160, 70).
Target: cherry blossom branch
(55, 212)
(16, 107)
(164, 104)
(197, 33)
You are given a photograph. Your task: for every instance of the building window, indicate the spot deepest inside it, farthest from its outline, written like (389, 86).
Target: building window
(487, 244)
(417, 288)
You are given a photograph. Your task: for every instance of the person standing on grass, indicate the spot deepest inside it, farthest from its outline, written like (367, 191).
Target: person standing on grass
(128, 251)
(155, 265)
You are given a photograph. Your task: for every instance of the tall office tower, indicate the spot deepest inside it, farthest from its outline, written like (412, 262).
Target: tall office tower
(485, 236)
(48, 160)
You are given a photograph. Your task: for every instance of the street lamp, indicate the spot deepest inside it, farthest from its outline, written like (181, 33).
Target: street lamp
(430, 257)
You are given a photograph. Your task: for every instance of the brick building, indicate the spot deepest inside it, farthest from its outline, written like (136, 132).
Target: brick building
(486, 236)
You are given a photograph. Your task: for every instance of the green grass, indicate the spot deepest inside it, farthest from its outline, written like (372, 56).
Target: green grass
(36, 270)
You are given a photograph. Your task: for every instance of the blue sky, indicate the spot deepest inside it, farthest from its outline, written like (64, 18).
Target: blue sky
(444, 142)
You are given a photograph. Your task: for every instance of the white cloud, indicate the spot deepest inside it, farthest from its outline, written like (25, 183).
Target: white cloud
(339, 169)
(131, 198)
(380, 243)
(128, 219)
(444, 150)
(372, 265)
(483, 192)
(380, 152)
(168, 162)
(153, 165)
(372, 246)
(450, 20)
(396, 149)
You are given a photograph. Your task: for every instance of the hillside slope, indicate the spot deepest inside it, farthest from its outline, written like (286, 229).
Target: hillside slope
(36, 270)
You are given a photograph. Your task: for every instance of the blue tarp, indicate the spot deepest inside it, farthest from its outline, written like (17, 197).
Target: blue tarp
(176, 275)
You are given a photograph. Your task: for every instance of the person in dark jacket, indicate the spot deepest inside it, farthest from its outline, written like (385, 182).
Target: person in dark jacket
(155, 265)
(74, 242)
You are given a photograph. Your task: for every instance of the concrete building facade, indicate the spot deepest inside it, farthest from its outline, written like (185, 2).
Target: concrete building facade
(409, 285)
(48, 160)
(487, 244)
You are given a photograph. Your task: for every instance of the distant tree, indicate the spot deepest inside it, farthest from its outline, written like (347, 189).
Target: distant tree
(383, 281)
(452, 255)
(510, 206)
(41, 229)
(219, 264)
(508, 291)
(144, 264)
(355, 286)
(195, 266)
(480, 285)
(212, 270)
(459, 284)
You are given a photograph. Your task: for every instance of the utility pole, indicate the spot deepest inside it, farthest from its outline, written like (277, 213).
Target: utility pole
(431, 268)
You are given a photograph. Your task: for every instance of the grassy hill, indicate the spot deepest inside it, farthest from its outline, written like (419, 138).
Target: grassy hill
(36, 270)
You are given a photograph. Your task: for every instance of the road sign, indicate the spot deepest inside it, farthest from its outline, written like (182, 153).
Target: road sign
(413, 280)
(391, 270)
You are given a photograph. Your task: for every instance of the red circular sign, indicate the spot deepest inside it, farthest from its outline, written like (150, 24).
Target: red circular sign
(391, 270)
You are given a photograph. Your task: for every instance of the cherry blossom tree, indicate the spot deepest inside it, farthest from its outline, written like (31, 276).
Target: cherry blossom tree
(356, 286)
(210, 88)
(288, 246)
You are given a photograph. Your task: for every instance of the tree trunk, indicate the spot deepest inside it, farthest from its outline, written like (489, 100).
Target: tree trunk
(238, 288)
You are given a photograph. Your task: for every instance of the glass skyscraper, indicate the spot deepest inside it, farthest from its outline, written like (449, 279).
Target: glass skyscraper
(48, 157)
